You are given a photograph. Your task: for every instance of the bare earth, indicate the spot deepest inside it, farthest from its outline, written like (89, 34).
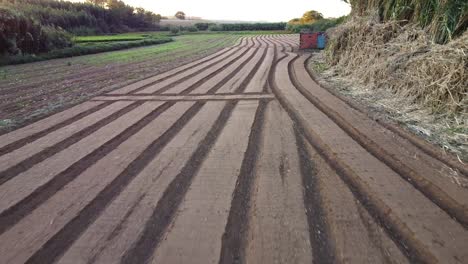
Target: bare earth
(238, 157)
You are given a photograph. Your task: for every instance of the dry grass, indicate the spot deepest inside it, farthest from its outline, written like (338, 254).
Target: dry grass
(450, 132)
(403, 59)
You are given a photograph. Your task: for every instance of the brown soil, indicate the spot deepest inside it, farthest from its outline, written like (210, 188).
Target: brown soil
(37, 90)
(238, 157)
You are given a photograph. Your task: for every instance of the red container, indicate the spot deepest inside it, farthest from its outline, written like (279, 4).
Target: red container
(310, 40)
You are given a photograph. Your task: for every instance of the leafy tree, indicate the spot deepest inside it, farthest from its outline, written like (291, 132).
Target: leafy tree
(35, 26)
(180, 15)
(295, 21)
(175, 30)
(311, 17)
(97, 2)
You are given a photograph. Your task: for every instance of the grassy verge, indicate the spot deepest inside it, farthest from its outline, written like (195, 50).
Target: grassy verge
(120, 37)
(97, 44)
(83, 49)
(181, 46)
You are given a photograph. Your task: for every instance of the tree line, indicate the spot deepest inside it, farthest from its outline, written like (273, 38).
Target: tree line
(100, 16)
(34, 26)
(241, 26)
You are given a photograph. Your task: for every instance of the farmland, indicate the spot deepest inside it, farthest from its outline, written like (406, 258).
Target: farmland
(236, 156)
(127, 139)
(31, 91)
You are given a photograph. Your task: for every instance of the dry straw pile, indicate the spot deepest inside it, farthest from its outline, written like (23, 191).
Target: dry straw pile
(418, 48)
(405, 59)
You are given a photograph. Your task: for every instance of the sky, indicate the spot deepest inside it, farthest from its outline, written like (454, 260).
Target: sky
(244, 10)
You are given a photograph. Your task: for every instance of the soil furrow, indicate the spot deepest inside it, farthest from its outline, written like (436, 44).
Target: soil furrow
(168, 74)
(259, 80)
(80, 74)
(445, 200)
(425, 238)
(271, 72)
(16, 156)
(27, 134)
(23, 207)
(235, 233)
(219, 80)
(197, 78)
(29, 162)
(182, 98)
(423, 145)
(230, 82)
(319, 232)
(68, 203)
(226, 78)
(60, 242)
(187, 75)
(246, 74)
(239, 95)
(237, 157)
(278, 230)
(96, 244)
(164, 212)
(204, 207)
(346, 220)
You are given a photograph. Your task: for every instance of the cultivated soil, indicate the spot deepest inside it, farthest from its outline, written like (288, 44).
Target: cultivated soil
(35, 90)
(237, 157)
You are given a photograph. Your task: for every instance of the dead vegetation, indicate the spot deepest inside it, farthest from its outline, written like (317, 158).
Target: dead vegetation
(398, 67)
(403, 59)
(449, 131)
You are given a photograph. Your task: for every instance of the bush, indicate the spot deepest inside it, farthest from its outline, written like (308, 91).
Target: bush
(56, 38)
(165, 28)
(203, 26)
(175, 30)
(215, 27)
(22, 35)
(192, 29)
(84, 31)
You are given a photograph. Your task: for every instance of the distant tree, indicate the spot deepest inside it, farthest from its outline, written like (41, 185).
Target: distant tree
(311, 17)
(295, 21)
(140, 11)
(97, 2)
(180, 15)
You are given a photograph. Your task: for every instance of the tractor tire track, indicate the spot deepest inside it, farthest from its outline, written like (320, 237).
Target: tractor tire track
(449, 202)
(397, 227)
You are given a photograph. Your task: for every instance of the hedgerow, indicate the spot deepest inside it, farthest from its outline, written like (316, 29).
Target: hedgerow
(81, 49)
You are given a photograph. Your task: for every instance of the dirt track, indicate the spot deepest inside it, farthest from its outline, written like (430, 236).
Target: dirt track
(239, 157)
